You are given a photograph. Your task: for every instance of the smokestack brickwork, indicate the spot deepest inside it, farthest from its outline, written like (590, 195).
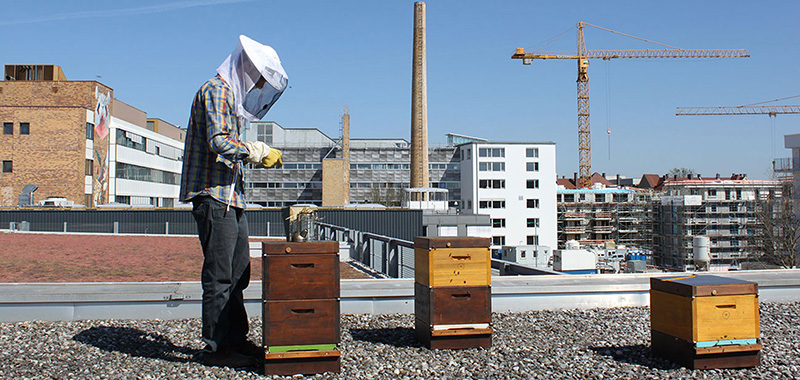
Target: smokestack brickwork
(419, 103)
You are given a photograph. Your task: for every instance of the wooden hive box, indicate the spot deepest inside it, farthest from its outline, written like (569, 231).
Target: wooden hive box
(451, 337)
(303, 362)
(452, 261)
(301, 312)
(453, 305)
(705, 321)
(300, 270)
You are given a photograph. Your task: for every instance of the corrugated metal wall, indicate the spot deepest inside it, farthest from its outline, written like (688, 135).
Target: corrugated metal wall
(397, 223)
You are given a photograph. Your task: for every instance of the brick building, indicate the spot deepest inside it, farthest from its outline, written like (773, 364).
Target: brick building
(61, 136)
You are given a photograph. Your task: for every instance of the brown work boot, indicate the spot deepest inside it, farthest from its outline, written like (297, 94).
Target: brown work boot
(227, 358)
(249, 348)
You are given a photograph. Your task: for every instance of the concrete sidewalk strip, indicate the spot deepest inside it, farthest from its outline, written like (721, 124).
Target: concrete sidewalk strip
(173, 300)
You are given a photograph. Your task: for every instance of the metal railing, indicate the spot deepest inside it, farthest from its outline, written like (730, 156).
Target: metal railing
(391, 256)
(395, 257)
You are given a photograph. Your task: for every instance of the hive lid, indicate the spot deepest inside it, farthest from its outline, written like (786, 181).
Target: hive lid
(285, 247)
(451, 242)
(703, 286)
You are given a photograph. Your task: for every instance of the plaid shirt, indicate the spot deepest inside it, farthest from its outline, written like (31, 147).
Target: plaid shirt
(213, 153)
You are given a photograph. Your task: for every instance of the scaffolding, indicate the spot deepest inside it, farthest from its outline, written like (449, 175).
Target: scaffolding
(724, 211)
(602, 218)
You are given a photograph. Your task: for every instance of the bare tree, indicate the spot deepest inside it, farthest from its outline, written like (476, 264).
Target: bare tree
(778, 233)
(680, 172)
(389, 197)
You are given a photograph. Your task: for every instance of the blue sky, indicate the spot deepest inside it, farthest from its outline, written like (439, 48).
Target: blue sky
(155, 54)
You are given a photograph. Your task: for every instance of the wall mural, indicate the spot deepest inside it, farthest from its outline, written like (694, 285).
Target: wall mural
(102, 121)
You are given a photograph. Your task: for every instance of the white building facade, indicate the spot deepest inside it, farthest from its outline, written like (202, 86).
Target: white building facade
(144, 166)
(515, 183)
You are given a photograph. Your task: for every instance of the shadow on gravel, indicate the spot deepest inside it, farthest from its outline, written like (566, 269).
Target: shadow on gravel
(135, 342)
(143, 344)
(637, 354)
(398, 336)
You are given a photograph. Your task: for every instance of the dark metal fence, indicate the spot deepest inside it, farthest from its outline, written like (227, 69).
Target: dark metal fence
(398, 223)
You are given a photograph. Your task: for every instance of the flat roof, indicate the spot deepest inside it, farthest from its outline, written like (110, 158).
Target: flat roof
(595, 191)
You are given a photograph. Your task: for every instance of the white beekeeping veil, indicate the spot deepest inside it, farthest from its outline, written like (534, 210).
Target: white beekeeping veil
(243, 68)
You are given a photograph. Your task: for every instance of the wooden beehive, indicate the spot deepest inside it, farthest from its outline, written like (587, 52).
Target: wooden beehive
(452, 293)
(301, 307)
(705, 321)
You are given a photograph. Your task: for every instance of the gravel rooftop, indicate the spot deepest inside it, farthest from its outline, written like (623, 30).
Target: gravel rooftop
(557, 344)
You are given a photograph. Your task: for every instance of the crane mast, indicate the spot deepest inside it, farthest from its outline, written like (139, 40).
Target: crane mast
(583, 55)
(584, 129)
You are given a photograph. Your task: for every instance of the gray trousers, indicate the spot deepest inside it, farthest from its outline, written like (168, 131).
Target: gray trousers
(226, 271)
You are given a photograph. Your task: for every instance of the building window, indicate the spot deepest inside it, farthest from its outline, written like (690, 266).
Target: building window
(139, 173)
(532, 183)
(498, 240)
(712, 192)
(8, 128)
(492, 184)
(532, 152)
(533, 222)
(492, 166)
(533, 240)
(89, 167)
(498, 223)
(126, 199)
(89, 131)
(24, 128)
(8, 166)
(532, 166)
(492, 204)
(491, 152)
(533, 203)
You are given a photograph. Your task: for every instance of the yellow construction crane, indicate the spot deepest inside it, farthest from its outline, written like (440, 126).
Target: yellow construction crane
(583, 56)
(750, 109)
(738, 110)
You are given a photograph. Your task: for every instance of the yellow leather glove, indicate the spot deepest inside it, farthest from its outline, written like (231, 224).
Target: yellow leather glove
(273, 159)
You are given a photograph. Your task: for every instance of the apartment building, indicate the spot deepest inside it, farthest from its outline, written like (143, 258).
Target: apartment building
(595, 217)
(724, 209)
(515, 183)
(75, 140)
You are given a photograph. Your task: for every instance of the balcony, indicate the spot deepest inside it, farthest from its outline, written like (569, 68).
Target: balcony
(602, 215)
(573, 215)
(575, 229)
(603, 229)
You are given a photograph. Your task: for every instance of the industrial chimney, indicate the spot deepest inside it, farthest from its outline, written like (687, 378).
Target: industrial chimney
(419, 103)
(346, 156)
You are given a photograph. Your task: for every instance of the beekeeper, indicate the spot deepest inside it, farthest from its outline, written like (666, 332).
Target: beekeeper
(247, 85)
